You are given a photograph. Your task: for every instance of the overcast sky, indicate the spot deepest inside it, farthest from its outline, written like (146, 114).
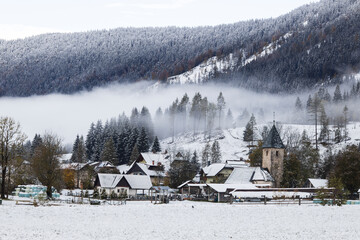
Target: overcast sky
(21, 18)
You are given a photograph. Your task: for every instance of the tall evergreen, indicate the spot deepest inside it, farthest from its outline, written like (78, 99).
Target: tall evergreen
(156, 145)
(337, 94)
(109, 152)
(143, 141)
(298, 104)
(37, 141)
(249, 132)
(79, 150)
(220, 106)
(215, 152)
(134, 154)
(205, 157)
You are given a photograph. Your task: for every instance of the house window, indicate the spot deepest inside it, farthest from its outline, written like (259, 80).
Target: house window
(118, 190)
(277, 153)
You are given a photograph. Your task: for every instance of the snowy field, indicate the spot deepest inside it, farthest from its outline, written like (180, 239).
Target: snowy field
(178, 220)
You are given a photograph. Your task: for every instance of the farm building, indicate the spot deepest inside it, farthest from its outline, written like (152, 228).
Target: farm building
(130, 185)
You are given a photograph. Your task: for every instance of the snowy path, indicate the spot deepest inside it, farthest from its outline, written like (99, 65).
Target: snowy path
(178, 220)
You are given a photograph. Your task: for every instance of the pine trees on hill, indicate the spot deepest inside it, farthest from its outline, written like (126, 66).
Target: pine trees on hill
(134, 154)
(337, 94)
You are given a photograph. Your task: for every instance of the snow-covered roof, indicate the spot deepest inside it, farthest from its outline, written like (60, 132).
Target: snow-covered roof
(318, 183)
(147, 171)
(214, 169)
(183, 184)
(236, 163)
(224, 187)
(109, 180)
(123, 168)
(154, 158)
(245, 175)
(138, 181)
(135, 181)
(273, 139)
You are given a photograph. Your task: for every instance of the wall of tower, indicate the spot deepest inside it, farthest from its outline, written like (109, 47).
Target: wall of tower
(273, 160)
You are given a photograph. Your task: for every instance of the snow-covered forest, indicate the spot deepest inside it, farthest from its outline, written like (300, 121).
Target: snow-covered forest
(321, 44)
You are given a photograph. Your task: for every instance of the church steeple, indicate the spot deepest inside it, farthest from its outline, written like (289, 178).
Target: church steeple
(273, 155)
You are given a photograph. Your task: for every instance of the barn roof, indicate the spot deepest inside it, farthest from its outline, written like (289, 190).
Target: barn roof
(273, 140)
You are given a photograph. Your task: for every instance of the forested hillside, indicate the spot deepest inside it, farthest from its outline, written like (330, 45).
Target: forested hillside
(323, 44)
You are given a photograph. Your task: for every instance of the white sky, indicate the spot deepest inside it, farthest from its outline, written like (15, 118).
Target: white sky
(22, 18)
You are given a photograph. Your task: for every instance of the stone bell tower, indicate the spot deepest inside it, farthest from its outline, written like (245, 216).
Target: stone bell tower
(273, 155)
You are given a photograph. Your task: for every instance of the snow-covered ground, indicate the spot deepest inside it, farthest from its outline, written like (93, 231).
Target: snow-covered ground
(233, 147)
(178, 220)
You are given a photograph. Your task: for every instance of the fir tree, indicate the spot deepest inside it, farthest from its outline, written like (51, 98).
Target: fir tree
(215, 152)
(298, 105)
(109, 152)
(324, 121)
(337, 94)
(143, 141)
(205, 157)
(249, 133)
(90, 141)
(37, 141)
(156, 145)
(220, 106)
(79, 150)
(134, 154)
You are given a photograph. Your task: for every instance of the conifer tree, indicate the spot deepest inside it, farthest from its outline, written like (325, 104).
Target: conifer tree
(337, 94)
(37, 141)
(109, 152)
(324, 121)
(220, 106)
(298, 104)
(90, 141)
(249, 133)
(143, 141)
(79, 150)
(205, 158)
(215, 152)
(156, 145)
(134, 154)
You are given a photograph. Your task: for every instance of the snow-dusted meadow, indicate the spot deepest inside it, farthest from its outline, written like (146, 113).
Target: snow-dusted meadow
(179, 220)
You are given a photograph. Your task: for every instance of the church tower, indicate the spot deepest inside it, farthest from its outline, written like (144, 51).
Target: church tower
(273, 155)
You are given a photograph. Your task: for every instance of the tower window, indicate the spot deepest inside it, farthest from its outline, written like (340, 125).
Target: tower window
(277, 153)
(267, 152)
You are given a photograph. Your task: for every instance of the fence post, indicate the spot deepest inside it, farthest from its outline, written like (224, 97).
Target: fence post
(299, 201)
(264, 199)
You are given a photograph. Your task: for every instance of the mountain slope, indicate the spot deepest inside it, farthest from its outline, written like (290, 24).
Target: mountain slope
(324, 44)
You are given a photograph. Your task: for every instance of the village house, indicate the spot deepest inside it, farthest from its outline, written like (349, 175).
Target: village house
(215, 173)
(157, 175)
(129, 185)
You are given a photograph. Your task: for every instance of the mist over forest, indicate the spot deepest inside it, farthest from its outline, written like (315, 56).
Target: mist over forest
(69, 115)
